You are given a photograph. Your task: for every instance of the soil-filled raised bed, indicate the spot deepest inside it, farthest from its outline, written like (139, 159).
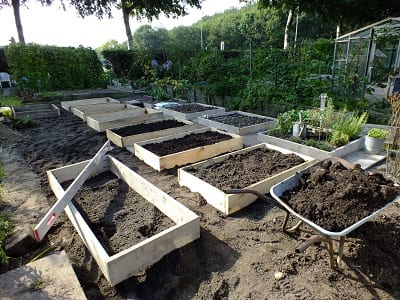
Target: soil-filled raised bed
(185, 148)
(102, 122)
(191, 111)
(238, 122)
(317, 153)
(68, 105)
(258, 168)
(36, 111)
(123, 233)
(335, 197)
(128, 135)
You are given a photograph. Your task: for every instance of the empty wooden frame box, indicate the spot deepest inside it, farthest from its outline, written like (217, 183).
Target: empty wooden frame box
(137, 258)
(230, 203)
(101, 122)
(188, 156)
(209, 111)
(96, 109)
(67, 105)
(129, 140)
(36, 111)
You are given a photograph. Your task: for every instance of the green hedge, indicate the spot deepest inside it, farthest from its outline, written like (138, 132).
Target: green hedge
(51, 68)
(3, 61)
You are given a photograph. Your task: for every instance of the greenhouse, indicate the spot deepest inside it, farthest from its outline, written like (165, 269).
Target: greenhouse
(370, 54)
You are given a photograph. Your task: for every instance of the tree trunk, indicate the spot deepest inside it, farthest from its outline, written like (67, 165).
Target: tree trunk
(17, 16)
(287, 27)
(125, 14)
(339, 27)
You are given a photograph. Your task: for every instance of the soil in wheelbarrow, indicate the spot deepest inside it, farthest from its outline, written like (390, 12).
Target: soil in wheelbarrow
(187, 142)
(117, 215)
(242, 170)
(239, 120)
(147, 127)
(188, 108)
(335, 197)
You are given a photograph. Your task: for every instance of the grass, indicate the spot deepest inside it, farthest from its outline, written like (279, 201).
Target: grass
(10, 100)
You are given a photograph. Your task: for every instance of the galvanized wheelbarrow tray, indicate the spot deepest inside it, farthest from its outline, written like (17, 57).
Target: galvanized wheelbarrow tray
(322, 235)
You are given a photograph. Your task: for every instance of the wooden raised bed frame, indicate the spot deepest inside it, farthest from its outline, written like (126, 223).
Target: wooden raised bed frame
(137, 258)
(126, 141)
(188, 156)
(230, 203)
(36, 111)
(214, 110)
(269, 122)
(97, 109)
(105, 121)
(67, 105)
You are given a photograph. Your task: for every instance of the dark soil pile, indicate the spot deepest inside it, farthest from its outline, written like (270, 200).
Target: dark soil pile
(188, 108)
(242, 170)
(120, 217)
(239, 120)
(147, 127)
(187, 142)
(334, 197)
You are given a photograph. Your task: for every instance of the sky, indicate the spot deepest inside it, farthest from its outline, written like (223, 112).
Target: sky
(54, 26)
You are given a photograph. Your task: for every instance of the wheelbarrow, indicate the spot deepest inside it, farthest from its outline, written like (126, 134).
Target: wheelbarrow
(321, 235)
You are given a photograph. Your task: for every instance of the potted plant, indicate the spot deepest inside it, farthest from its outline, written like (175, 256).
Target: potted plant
(375, 139)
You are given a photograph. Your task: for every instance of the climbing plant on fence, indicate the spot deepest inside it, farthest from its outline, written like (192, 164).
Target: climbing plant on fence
(52, 68)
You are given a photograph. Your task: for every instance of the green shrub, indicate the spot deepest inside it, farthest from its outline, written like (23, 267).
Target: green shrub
(21, 123)
(339, 138)
(296, 139)
(326, 147)
(311, 142)
(351, 125)
(377, 133)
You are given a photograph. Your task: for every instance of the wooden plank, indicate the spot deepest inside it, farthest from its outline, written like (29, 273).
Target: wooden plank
(230, 203)
(188, 156)
(47, 221)
(90, 110)
(138, 257)
(36, 111)
(101, 122)
(67, 105)
(126, 141)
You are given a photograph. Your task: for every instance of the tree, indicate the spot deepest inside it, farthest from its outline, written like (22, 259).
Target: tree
(16, 4)
(146, 38)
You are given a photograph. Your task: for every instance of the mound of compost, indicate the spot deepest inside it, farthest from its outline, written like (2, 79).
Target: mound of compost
(190, 108)
(239, 120)
(242, 170)
(187, 142)
(335, 197)
(147, 127)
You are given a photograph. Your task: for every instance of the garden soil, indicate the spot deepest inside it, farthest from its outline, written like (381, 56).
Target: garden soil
(236, 256)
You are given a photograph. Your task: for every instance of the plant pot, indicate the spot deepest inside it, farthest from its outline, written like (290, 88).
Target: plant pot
(374, 145)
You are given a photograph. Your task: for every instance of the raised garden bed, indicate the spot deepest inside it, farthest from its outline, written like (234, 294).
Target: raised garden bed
(335, 197)
(128, 135)
(36, 111)
(238, 122)
(312, 151)
(67, 105)
(97, 109)
(258, 168)
(184, 148)
(191, 111)
(102, 122)
(125, 259)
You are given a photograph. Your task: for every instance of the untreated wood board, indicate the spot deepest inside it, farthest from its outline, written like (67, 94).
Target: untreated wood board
(127, 141)
(123, 265)
(67, 105)
(213, 110)
(101, 122)
(189, 156)
(230, 203)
